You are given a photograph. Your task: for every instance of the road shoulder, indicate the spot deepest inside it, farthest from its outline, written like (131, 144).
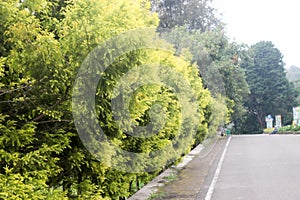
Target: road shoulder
(184, 181)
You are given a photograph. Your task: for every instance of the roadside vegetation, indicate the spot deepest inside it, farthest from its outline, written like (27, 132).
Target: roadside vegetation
(290, 128)
(43, 44)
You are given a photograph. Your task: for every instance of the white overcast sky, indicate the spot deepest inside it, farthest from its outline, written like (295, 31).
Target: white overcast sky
(251, 21)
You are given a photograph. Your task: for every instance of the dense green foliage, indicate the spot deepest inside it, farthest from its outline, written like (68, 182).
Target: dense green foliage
(41, 50)
(43, 44)
(289, 128)
(219, 63)
(41, 154)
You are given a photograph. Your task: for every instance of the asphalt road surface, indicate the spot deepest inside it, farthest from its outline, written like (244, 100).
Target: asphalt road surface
(257, 167)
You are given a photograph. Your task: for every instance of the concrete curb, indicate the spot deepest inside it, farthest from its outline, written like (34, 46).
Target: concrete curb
(153, 186)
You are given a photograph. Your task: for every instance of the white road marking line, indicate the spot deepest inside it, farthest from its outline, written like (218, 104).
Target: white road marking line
(217, 173)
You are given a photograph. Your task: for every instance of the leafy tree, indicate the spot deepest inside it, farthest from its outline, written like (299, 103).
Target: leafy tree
(41, 154)
(235, 84)
(219, 64)
(293, 73)
(40, 52)
(271, 92)
(192, 14)
(30, 104)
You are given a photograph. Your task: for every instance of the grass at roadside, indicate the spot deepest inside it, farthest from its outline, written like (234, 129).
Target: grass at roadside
(284, 129)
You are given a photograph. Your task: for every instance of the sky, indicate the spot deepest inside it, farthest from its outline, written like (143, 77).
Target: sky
(251, 21)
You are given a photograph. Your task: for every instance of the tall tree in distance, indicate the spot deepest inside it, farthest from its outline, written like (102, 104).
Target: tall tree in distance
(271, 92)
(293, 75)
(194, 14)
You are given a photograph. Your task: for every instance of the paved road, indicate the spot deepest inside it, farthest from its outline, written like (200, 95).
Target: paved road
(258, 167)
(194, 176)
